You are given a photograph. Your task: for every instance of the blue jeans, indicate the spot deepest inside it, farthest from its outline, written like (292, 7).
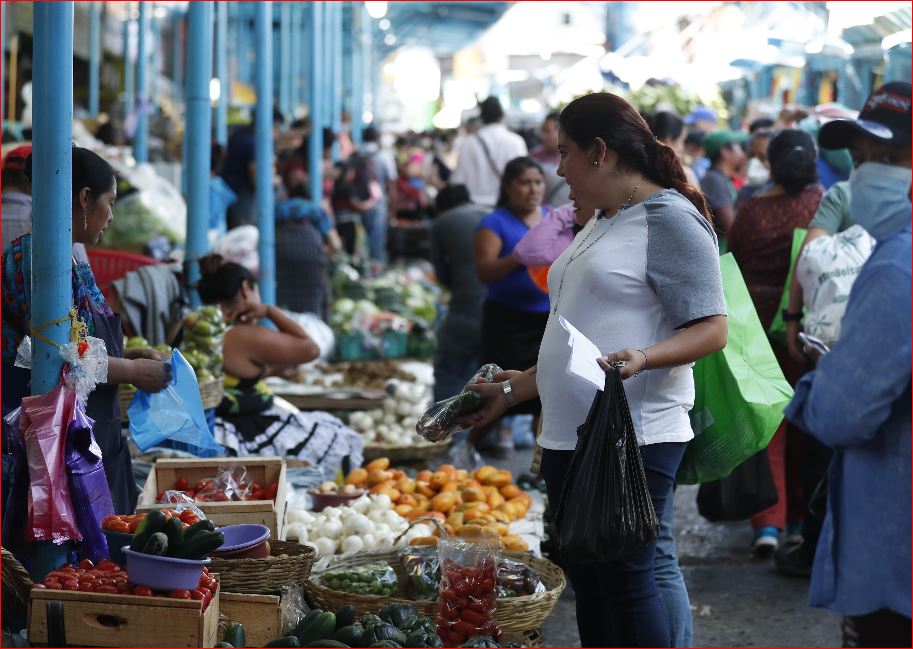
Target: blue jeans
(671, 584)
(618, 602)
(375, 224)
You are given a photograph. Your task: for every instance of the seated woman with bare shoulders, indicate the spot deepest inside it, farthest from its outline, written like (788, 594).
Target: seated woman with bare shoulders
(251, 419)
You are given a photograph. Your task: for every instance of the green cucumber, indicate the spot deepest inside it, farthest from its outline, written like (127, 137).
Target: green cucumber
(287, 641)
(200, 526)
(325, 643)
(345, 616)
(317, 627)
(350, 635)
(157, 545)
(174, 530)
(154, 522)
(200, 545)
(224, 644)
(234, 635)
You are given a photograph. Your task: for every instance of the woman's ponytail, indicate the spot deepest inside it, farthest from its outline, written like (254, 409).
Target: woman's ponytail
(666, 169)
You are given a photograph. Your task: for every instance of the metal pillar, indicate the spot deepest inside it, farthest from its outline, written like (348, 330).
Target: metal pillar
(153, 80)
(196, 136)
(315, 144)
(94, 56)
(285, 58)
(141, 136)
(326, 94)
(296, 67)
(359, 18)
(264, 153)
(129, 86)
(177, 56)
(52, 209)
(244, 67)
(222, 73)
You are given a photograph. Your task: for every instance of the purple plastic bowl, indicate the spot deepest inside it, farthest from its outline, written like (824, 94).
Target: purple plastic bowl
(238, 537)
(162, 573)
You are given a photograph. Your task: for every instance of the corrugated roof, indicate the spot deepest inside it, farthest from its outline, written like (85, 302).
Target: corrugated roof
(882, 26)
(445, 27)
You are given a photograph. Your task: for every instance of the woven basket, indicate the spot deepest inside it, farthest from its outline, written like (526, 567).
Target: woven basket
(288, 563)
(211, 393)
(408, 453)
(514, 614)
(16, 586)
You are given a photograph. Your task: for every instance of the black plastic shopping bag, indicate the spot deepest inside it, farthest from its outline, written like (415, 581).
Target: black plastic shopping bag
(605, 511)
(749, 489)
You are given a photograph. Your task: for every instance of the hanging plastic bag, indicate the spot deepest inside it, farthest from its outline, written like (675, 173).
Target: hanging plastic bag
(468, 590)
(438, 423)
(89, 490)
(605, 511)
(749, 489)
(43, 422)
(175, 413)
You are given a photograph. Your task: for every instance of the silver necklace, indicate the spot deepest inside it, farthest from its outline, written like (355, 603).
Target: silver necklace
(579, 253)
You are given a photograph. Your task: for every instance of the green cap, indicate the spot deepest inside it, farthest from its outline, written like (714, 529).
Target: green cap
(719, 139)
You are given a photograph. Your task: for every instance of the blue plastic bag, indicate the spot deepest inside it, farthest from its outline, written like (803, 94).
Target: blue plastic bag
(175, 413)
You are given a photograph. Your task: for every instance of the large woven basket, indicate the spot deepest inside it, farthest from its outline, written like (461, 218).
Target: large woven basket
(399, 453)
(288, 563)
(514, 614)
(16, 586)
(211, 393)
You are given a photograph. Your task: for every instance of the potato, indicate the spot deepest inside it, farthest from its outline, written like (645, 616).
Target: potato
(443, 502)
(406, 485)
(484, 472)
(472, 495)
(510, 491)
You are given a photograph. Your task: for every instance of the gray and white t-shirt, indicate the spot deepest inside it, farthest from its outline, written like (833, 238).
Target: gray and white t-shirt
(652, 269)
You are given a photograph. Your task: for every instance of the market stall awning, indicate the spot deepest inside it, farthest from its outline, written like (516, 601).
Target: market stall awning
(445, 27)
(882, 26)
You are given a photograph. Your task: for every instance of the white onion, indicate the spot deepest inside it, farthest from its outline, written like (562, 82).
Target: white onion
(358, 524)
(361, 505)
(325, 547)
(382, 502)
(331, 528)
(352, 544)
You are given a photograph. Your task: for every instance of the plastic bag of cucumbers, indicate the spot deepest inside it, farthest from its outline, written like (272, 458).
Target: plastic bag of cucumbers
(438, 423)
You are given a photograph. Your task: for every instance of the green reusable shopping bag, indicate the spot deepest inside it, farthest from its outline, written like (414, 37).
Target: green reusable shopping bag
(777, 331)
(740, 391)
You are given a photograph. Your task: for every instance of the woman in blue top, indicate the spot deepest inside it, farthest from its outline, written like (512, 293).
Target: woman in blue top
(515, 310)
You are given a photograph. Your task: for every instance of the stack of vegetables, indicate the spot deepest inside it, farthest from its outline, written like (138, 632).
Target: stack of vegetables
(165, 536)
(482, 503)
(204, 331)
(395, 422)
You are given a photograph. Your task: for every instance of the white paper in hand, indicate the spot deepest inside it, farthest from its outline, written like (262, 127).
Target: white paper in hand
(583, 356)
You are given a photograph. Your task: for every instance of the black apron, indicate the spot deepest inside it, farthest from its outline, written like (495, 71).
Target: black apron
(104, 407)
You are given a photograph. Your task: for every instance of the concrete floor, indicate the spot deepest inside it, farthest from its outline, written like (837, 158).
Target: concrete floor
(736, 600)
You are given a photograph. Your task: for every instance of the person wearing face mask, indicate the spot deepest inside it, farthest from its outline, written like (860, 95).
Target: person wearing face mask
(642, 281)
(94, 193)
(857, 400)
(758, 169)
(761, 242)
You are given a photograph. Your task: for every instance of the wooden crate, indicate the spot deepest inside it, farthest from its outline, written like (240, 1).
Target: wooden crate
(102, 620)
(263, 470)
(261, 615)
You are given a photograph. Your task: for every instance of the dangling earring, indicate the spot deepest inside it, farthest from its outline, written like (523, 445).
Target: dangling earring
(85, 220)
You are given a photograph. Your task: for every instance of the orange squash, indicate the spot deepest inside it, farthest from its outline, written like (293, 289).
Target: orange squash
(358, 477)
(380, 464)
(443, 502)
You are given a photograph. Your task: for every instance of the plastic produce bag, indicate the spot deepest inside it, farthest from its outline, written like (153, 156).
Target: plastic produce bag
(516, 579)
(175, 413)
(421, 572)
(749, 489)
(182, 502)
(230, 484)
(605, 511)
(88, 485)
(468, 591)
(438, 423)
(740, 391)
(372, 579)
(43, 423)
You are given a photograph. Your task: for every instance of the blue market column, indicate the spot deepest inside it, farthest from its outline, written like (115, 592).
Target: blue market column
(129, 86)
(337, 74)
(94, 56)
(152, 92)
(263, 134)
(285, 58)
(360, 17)
(177, 56)
(244, 68)
(196, 136)
(315, 144)
(141, 136)
(222, 72)
(52, 209)
(296, 66)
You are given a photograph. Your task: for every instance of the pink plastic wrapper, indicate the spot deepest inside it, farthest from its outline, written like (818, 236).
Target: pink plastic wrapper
(43, 423)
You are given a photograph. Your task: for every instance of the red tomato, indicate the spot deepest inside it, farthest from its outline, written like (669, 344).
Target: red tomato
(179, 593)
(212, 584)
(131, 527)
(106, 588)
(38, 586)
(119, 526)
(142, 591)
(187, 516)
(108, 519)
(123, 588)
(271, 491)
(108, 566)
(258, 494)
(105, 581)
(181, 484)
(70, 584)
(86, 564)
(197, 595)
(52, 584)
(160, 497)
(86, 586)
(473, 616)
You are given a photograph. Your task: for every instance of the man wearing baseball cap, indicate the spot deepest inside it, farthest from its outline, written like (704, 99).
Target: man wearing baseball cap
(17, 195)
(724, 150)
(857, 400)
